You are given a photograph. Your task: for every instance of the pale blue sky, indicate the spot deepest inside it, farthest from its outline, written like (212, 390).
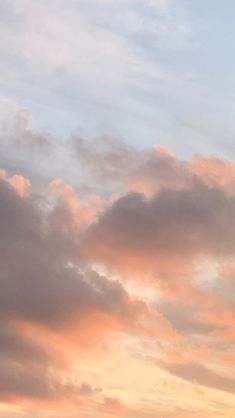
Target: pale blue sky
(148, 71)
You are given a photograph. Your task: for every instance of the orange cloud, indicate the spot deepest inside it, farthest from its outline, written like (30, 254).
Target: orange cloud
(73, 276)
(18, 182)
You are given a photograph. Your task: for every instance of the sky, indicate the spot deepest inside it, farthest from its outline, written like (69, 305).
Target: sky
(117, 206)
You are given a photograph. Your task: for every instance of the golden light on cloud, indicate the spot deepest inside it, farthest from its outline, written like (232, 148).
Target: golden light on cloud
(124, 307)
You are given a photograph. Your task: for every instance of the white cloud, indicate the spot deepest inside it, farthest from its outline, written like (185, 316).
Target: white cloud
(103, 66)
(97, 43)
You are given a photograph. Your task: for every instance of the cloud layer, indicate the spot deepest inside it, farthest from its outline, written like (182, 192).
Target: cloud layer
(142, 273)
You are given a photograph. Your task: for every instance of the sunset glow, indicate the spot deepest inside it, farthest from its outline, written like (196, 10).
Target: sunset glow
(117, 208)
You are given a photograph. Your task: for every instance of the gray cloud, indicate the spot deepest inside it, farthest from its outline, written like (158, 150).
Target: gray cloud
(106, 157)
(184, 317)
(37, 281)
(195, 372)
(113, 160)
(183, 223)
(41, 283)
(39, 382)
(16, 346)
(17, 380)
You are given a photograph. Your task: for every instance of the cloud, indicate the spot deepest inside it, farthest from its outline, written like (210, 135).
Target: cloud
(47, 290)
(106, 157)
(113, 258)
(37, 281)
(87, 390)
(113, 403)
(184, 225)
(40, 383)
(184, 317)
(73, 269)
(203, 376)
(22, 134)
(113, 40)
(17, 346)
(17, 381)
(150, 170)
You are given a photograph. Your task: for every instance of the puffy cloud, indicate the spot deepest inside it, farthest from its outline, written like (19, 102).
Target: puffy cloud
(150, 170)
(47, 291)
(44, 277)
(73, 269)
(181, 225)
(38, 279)
(18, 182)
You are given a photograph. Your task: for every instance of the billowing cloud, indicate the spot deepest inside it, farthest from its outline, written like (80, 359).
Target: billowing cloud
(37, 281)
(142, 275)
(180, 225)
(47, 290)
